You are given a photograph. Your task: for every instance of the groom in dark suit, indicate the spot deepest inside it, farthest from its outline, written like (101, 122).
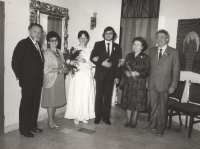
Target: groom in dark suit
(28, 65)
(105, 56)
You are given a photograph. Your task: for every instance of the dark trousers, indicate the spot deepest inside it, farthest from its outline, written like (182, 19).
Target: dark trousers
(158, 109)
(103, 99)
(29, 108)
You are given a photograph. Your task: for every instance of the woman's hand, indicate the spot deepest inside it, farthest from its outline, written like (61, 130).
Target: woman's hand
(95, 59)
(134, 73)
(128, 74)
(80, 59)
(73, 63)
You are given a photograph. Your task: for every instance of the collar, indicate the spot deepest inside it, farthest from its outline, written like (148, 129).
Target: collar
(164, 48)
(108, 42)
(33, 41)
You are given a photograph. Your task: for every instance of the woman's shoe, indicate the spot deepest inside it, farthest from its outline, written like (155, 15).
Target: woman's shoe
(127, 124)
(56, 126)
(133, 125)
(52, 126)
(76, 121)
(85, 121)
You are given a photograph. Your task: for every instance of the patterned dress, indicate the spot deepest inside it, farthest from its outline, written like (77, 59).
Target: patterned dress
(134, 92)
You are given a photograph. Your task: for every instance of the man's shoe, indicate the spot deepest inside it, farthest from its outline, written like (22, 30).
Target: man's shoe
(28, 134)
(37, 130)
(96, 121)
(108, 122)
(160, 133)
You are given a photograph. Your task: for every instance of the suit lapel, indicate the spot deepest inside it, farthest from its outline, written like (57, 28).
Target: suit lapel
(34, 50)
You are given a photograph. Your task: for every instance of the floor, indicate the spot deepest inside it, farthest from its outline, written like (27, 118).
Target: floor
(102, 136)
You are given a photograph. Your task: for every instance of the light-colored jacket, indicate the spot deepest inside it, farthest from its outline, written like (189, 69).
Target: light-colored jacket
(50, 63)
(164, 73)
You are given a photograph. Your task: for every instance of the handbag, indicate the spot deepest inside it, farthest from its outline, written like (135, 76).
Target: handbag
(121, 82)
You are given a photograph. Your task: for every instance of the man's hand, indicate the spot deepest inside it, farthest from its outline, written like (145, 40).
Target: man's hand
(171, 90)
(106, 63)
(116, 81)
(95, 59)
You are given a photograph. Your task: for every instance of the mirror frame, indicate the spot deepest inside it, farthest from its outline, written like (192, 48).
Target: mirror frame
(37, 7)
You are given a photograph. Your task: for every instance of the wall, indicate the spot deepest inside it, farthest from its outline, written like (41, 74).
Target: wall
(170, 12)
(16, 23)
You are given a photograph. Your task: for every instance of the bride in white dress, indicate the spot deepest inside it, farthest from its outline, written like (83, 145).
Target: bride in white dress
(80, 104)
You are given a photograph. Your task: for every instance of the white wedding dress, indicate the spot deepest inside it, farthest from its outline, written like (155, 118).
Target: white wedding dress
(81, 94)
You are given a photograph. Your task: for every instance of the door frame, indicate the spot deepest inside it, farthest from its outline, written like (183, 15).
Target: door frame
(2, 27)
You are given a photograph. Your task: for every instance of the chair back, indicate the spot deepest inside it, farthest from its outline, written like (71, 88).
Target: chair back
(178, 93)
(194, 93)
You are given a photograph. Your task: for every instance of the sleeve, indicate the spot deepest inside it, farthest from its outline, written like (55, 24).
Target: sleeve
(118, 69)
(47, 62)
(144, 72)
(17, 58)
(94, 54)
(175, 69)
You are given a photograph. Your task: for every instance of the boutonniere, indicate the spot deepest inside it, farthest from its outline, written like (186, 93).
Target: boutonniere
(114, 48)
(166, 53)
(141, 56)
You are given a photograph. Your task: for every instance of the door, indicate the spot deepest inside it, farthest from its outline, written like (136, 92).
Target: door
(2, 16)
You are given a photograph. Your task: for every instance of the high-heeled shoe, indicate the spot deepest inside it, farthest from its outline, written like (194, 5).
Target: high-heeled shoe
(76, 121)
(52, 126)
(56, 126)
(133, 125)
(127, 124)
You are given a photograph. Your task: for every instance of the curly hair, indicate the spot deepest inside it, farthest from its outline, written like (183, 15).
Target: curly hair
(143, 41)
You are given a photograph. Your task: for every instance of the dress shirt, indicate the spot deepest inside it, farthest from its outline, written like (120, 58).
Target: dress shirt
(110, 46)
(163, 50)
(37, 47)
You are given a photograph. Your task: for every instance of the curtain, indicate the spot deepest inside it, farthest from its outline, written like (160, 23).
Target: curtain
(55, 24)
(134, 27)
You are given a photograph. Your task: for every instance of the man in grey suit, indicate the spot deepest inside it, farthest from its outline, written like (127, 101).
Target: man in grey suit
(163, 79)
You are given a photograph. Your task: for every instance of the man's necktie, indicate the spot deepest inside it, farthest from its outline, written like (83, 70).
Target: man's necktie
(160, 54)
(37, 47)
(108, 49)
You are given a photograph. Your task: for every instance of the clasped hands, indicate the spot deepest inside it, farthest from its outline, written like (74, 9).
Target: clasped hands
(132, 73)
(105, 63)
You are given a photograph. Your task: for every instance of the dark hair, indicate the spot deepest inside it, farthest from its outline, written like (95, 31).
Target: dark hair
(109, 29)
(143, 41)
(83, 32)
(53, 34)
(163, 31)
(35, 24)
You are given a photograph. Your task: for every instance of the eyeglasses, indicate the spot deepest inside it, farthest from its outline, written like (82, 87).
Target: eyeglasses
(53, 40)
(108, 33)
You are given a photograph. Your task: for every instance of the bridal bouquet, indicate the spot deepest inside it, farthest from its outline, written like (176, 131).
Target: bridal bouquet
(71, 60)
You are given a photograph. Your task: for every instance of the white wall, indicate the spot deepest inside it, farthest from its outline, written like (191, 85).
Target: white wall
(16, 24)
(170, 12)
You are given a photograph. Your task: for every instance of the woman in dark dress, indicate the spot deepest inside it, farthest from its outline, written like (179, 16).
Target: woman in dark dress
(136, 69)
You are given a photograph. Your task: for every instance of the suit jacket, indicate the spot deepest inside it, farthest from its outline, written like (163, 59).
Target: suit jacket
(164, 73)
(27, 64)
(103, 72)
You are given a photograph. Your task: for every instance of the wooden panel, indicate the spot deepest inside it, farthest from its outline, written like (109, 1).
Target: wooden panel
(1, 67)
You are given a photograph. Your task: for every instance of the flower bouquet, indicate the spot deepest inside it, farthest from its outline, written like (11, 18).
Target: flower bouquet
(71, 60)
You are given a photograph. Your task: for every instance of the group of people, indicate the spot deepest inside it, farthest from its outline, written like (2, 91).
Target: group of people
(41, 74)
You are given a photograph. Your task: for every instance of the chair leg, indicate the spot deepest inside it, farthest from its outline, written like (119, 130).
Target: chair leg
(180, 118)
(186, 121)
(170, 118)
(190, 126)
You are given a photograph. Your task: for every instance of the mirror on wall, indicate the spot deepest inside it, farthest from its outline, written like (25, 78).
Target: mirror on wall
(52, 18)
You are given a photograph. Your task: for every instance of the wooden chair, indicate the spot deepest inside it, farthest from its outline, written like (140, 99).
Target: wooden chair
(191, 108)
(174, 98)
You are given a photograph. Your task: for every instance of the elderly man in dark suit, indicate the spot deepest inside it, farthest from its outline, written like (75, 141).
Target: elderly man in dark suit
(105, 56)
(28, 65)
(163, 79)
